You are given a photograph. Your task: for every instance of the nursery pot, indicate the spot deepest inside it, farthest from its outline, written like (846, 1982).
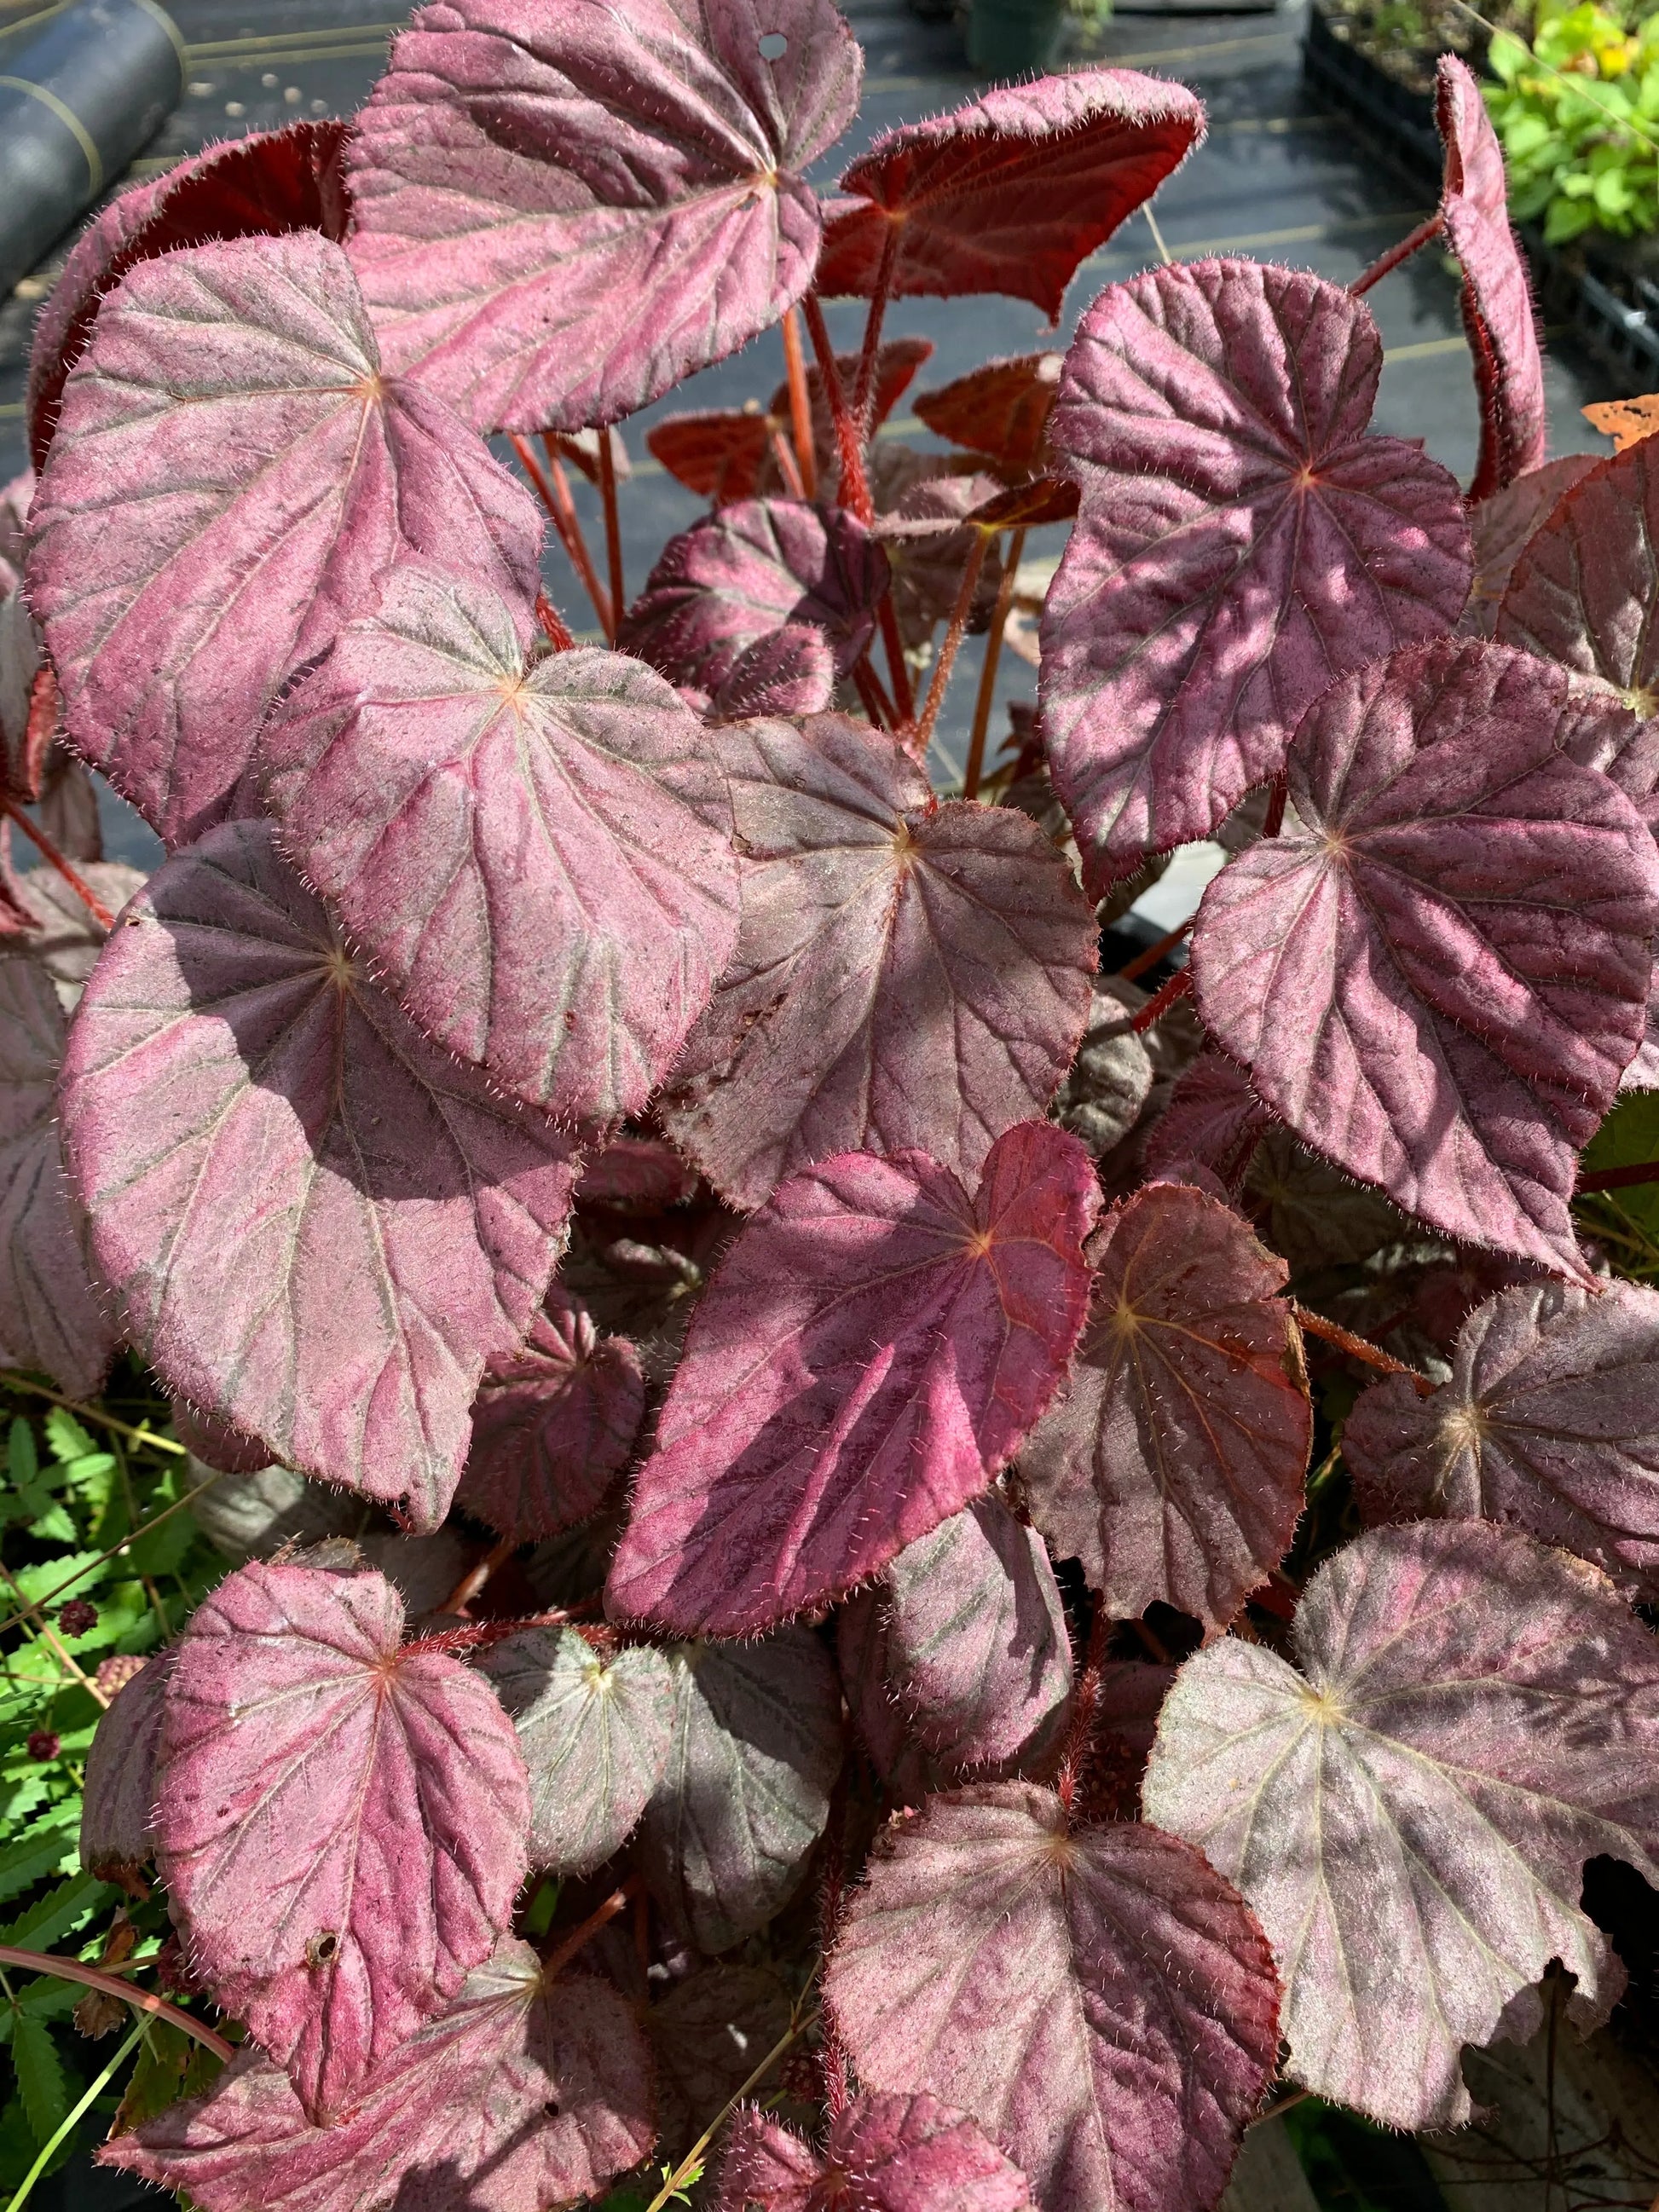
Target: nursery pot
(1011, 38)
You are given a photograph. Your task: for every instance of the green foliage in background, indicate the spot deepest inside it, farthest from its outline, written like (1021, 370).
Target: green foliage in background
(1577, 112)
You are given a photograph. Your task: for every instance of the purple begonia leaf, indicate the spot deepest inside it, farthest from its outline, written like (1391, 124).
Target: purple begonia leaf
(118, 1806)
(262, 185)
(340, 1823)
(790, 671)
(55, 1316)
(999, 411)
(883, 2155)
(865, 1360)
(928, 546)
(594, 1730)
(561, 212)
(708, 2034)
(206, 522)
(1098, 2000)
(217, 1443)
(1438, 979)
(717, 451)
(1172, 1467)
(739, 576)
(907, 975)
(1242, 542)
(1110, 1081)
(69, 937)
(636, 1175)
(1411, 1813)
(884, 1727)
(1496, 295)
(1546, 1425)
(756, 1749)
(553, 1426)
(1214, 1117)
(1131, 1695)
(1582, 590)
(1010, 192)
(976, 1638)
(321, 1228)
(529, 849)
(1501, 527)
(1311, 1215)
(523, 2094)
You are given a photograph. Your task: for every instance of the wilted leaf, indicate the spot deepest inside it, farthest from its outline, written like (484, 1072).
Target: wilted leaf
(756, 1750)
(1582, 591)
(206, 522)
(1010, 192)
(708, 2034)
(1410, 1815)
(1241, 542)
(999, 410)
(340, 1824)
(521, 172)
(1501, 527)
(594, 1730)
(528, 848)
(907, 974)
(118, 1807)
(321, 1227)
(1214, 1117)
(1394, 974)
(868, 1355)
(1100, 2001)
(883, 2155)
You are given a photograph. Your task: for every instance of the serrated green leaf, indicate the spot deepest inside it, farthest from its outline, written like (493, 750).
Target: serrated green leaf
(57, 1914)
(66, 1440)
(170, 2065)
(159, 1551)
(20, 1793)
(44, 1847)
(41, 2082)
(54, 1525)
(82, 1571)
(16, 2143)
(23, 1461)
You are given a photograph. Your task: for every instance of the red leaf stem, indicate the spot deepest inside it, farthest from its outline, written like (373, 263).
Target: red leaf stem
(1133, 969)
(864, 390)
(898, 669)
(71, 1970)
(554, 496)
(1162, 999)
(477, 1575)
(988, 674)
(554, 624)
(613, 552)
(1619, 1178)
(800, 405)
(1278, 799)
(784, 454)
(953, 635)
(1359, 1347)
(877, 704)
(48, 852)
(854, 483)
(562, 1954)
(1430, 228)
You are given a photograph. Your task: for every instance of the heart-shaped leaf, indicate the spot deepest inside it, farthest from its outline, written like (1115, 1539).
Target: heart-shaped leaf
(1501, 527)
(976, 1642)
(1241, 542)
(201, 529)
(1497, 298)
(594, 1730)
(1410, 1815)
(741, 575)
(69, 937)
(868, 1355)
(519, 171)
(745, 1795)
(999, 411)
(340, 1823)
(1172, 1467)
(717, 451)
(321, 1228)
(1546, 1425)
(1100, 2001)
(528, 848)
(883, 2155)
(554, 1424)
(1214, 1118)
(117, 1810)
(252, 1512)
(1010, 192)
(907, 975)
(262, 185)
(523, 2094)
(1582, 590)
(1394, 973)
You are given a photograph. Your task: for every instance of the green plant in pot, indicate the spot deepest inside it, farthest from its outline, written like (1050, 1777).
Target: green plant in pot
(1577, 112)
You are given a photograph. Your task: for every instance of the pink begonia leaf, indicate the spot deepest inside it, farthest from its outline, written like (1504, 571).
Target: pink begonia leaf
(529, 849)
(1546, 1424)
(553, 1426)
(1242, 542)
(928, 546)
(1496, 296)
(717, 451)
(523, 2094)
(201, 530)
(340, 1823)
(636, 1175)
(321, 1228)
(1411, 1813)
(1582, 590)
(739, 576)
(867, 1356)
(1010, 192)
(1396, 974)
(1098, 2000)
(561, 212)
(976, 1639)
(883, 2155)
(1172, 1467)
(1214, 1117)
(55, 1316)
(262, 185)
(756, 1750)
(217, 1443)
(790, 671)
(999, 411)
(907, 975)
(594, 1728)
(1501, 527)
(117, 1810)
(883, 1721)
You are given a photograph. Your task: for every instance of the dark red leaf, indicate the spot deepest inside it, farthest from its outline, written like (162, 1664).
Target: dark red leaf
(1100, 2001)
(117, 1810)
(1242, 543)
(1501, 527)
(1000, 410)
(1396, 974)
(1029, 506)
(1214, 1117)
(320, 1227)
(340, 1824)
(636, 1175)
(790, 671)
(867, 1356)
(521, 171)
(199, 533)
(1410, 1815)
(883, 2155)
(883, 1725)
(1010, 192)
(719, 451)
(929, 544)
